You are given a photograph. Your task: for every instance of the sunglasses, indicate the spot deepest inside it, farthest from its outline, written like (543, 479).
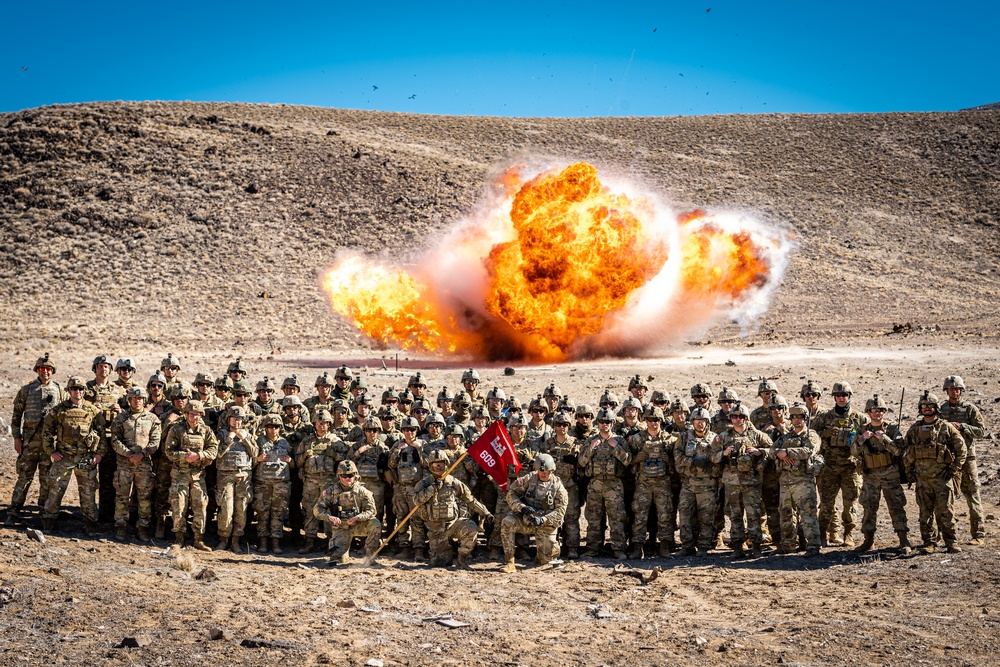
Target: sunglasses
(409, 429)
(265, 391)
(155, 385)
(604, 421)
(740, 418)
(421, 411)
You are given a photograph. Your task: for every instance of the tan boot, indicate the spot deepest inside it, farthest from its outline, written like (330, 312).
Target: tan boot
(867, 544)
(848, 539)
(276, 545)
(308, 546)
(142, 533)
(179, 540)
(509, 565)
(832, 540)
(463, 561)
(161, 528)
(904, 543)
(234, 545)
(418, 555)
(262, 547)
(199, 542)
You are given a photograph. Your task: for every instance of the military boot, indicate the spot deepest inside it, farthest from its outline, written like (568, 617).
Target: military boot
(48, 525)
(636, 552)
(509, 565)
(13, 514)
(572, 553)
(89, 528)
(161, 528)
(142, 533)
(666, 548)
(463, 561)
(275, 545)
(866, 545)
(619, 554)
(121, 533)
(494, 554)
(418, 555)
(953, 548)
(234, 544)
(904, 543)
(179, 539)
(406, 552)
(308, 546)
(199, 542)
(262, 547)
(738, 551)
(848, 538)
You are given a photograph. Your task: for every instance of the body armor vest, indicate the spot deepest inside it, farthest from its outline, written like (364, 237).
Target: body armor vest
(273, 468)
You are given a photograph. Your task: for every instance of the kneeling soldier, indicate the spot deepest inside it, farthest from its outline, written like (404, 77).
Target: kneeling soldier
(349, 509)
(537, 506)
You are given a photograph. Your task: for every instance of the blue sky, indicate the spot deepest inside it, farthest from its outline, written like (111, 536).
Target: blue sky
(509, 59)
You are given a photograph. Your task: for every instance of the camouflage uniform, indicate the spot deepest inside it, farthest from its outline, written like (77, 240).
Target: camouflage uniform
(836, 429)
(134, 433)
(605, 466)
(742, 480)
(356, 502)
(187, 480)
(317, 458)
(798, 504)
(698, 460)
(233, 490)
(32, 404)
(546, 500)
(78, 433)
(934, 454)
(272, 486)
(971, 427)
(652, 460)
(770, 485)
(372, 461)
(879, 456)
(406, 464)
(442, 502)
(162, 471)
(525, 455)
(566, 455)
(107, 398)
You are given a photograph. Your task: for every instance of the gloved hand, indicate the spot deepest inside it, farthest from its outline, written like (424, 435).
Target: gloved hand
(527, 511)
(538, 520)
(702, 462)
(947, 473)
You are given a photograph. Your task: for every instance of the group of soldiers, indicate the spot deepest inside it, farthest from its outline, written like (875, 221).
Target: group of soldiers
(344, 464)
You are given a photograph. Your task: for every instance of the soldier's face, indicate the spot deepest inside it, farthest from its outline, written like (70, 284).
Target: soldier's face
(222, 392)
(454, 441)
(193, 419)
(322, 428)
(136, 403)
(290, 390)
(766, 396)
(726, 406)
(700, 426)
(494, 404)
(631, 413)
(102, 371)
(700, 399)
(739, 423)
(680, 418)
(236, 376)
(241, 399)
(45, 374)
(76, 395)
(954, 393)
(876, 415)
(418, 390)
(517, 432)
(638, 392)
(777, 415)
(124, 374)
(653, 426)
(439, 468)
(363, 409)
(204, 388)
(265, 395)
(323, 391)
(342, 382)
(170, 372)
(928, 411)
(798, 421)
(235, 423)
(841, 399)
(409, 434)
(811, 399)
(543, 475)
(339, 416)
(346, 481)
(470, 386)
(604, 426)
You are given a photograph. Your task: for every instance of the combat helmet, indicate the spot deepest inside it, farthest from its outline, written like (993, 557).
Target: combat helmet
(810, 387)
(346, 468)
(679, 405)
(438, 456)
(875, 403)
(606, 415)
(179, 390)
(445, 396)
(700, 390)
(653, 412)
(778, 401)
(125, 363)
(323, 415)
(636, 381)
(954, 381)
(101, 359)
(740, 410)
(409, 423)
(455, 429)
(45, 361)
(727, 395)
(700, 413)
(170, 360)
(607, 398)
(471, 375)
(237, 366)
(632, 402)
(929, 399)
(136, 392)
(271, 420)
(496, 394)
(544, 463)
(552, 391)
(435, 418)
(798, 410)
(766, 385)
(841, 388)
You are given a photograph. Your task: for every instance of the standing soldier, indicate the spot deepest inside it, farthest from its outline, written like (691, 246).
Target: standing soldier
(292, 387)
(224, 389)
(191, 447)
(470, 380)
(565, 451)
(32, 404)
(348, 509)
(794, 451)
(406, 463)
(74, 439)
(638, 388)
(697, 456)
(323, 397)
(538, 430)
(604, 457)
(770, 490)
(418, 386)
(837, 429)
(265, 397)
(810, 395)
(584, 429)
(444, 504)
(237, 370)
(157, 402)
(878, 448)
(371, 456)
(170, 366)
(105, 394)
(125, 369)
(272, 486)
(743, 449)
(135, 437)
(495, 398)
(234, 465)
(679, 414)
(727, 399)
(701, 394)
(935, 453)
(967, 418)
(342, 377)
(317, 457)
(651, 456)
(537, 505)
(178, 394)
(761, 415)
(551, 395)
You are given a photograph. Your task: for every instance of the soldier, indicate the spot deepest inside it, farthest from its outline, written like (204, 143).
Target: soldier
(204, 384)
(638, 388)
(157, 401)
(105, 394)
(265, 390)
(371, 456)
(317, 457)
(272, 484)
(609, 401)
(461, 410)
(794, 451)
(242, 397)
(342, 377)
(405, 402)
(565, 451)
(178, 394)
(537, 505)
(967, 418)
(417, 386)
(455, 448)
(935, 453)
(420, 411)
(125, 369)
(652, 460)
(518, 428)
(359, 388)
(406, 463)
(292, 387)
(701, 394)
(511, 407)
(551, 394)
(349, 509)
(810, 395)
(444, 504)
(743, 449)
(170, 366)
(761, 415)
(697, 457)
(584, 429)
(73, 437)
(604, 457)
(661, 400)
(294, 424)
(470, 380)
(495, 398)
(234, 465)
(135, 437)
(191, 447)
(224, 389)
(237, 370)
(538, 430)
(435, 426)
(323, 397)
(32, 404)
(444, 399)
(837, 429)
(727, 399)
(679, 414)
(878, 448)
(770, 492)
(629, 424)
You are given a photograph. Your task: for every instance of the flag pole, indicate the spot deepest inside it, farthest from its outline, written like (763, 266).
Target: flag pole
(402, 523)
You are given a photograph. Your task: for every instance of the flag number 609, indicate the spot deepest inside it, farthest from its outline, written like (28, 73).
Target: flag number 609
(487, 459)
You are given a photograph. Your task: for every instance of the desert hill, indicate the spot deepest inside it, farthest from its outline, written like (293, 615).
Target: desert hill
(159, 222)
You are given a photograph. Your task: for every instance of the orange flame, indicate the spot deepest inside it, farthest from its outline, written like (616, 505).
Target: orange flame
(556, 269)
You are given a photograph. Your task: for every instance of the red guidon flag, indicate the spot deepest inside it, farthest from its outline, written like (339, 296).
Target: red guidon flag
(494, 451)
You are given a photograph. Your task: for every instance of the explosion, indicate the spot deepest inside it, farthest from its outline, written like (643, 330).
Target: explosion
(558, 266)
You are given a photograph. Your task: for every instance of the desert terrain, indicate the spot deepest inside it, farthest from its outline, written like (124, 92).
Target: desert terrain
(201, 229)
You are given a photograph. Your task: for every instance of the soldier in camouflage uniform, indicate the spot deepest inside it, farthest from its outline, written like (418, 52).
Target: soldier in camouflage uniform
(879, 448)
(471, 382)
(583, 429)
(551, 395)
(934, 455)
(316, 458)
(518, 428)
(794, 451)
(234, 466)
(565, 451)
(32, 404)
(224, 389)
(444, 400)
(743, 449)
(237, 370)
(406, 463)
(538, 430)
(761, 415)
(444, 506)
(342, 378)
(454, 449)
(701, 396)
(73, 437)
(204, 386)
(272, 484)
(604, 457)
(292, 387)
(770, 490)
(135, 438)
(679, 413)
(323, 398)
(125, 370)
(170, 366)
(638, 388)
(697, 457)
(157, 401)
(371, 456)
(191, 447)
(727, 399)
(495, 399)
(265, 390)
(967, 418)
(348, 510)
(418, 386)
(178, 394)
(810, 395)
(537, 505)
(837, 429)
(652, 460)
(105, 394)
